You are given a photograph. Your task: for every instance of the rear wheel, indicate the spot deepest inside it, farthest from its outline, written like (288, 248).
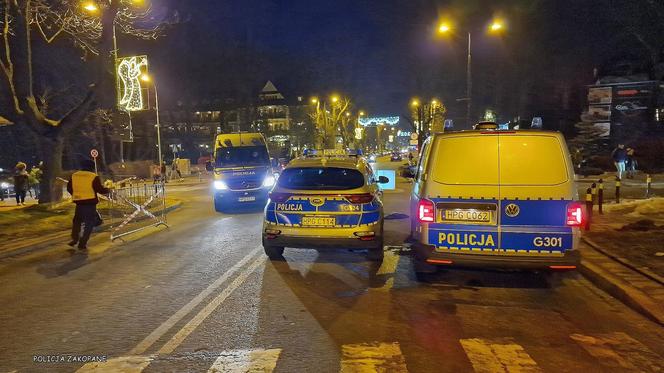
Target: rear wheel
(274, 252)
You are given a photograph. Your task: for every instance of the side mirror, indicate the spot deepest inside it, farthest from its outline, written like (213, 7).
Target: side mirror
(383, 180)
(208, 166)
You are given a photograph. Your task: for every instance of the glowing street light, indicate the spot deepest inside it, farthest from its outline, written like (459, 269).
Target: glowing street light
(444, 28)
(335, 98)
(147, 78)
(314, 100)
(90, 6)
(496, 26)
(361, 113)
(415, 103)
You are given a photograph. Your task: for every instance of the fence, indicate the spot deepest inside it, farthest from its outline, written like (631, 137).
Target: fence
(133, 206)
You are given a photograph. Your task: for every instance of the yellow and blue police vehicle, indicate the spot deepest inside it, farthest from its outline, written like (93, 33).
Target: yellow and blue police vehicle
(496, 198)
(242, 171)
(325, 200)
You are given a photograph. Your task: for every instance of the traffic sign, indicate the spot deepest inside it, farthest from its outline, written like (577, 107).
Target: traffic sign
(94, 153)
(413, 136)
(413, 142)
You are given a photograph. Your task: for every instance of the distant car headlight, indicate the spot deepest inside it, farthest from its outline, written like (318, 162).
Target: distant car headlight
(372, 158)
(269, 181)
(4, 185)
(220, 185)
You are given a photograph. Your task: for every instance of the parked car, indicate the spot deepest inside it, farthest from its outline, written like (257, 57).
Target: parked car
(6, 184)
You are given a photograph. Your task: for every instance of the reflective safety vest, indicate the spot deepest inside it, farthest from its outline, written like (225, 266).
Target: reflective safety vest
(82, 185)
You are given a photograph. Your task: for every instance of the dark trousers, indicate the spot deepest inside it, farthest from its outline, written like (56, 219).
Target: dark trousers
(20, 196)
(86, 215)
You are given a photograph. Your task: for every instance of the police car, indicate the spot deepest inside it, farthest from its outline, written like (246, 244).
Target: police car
(496, 198)
(325, 200)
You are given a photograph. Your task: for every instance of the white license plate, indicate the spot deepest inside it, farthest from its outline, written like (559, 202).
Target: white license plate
(470, 215)
(247, 199)
(314, 221)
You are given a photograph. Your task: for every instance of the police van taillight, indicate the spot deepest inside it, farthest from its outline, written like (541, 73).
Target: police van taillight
(426, 211)
(575, 214)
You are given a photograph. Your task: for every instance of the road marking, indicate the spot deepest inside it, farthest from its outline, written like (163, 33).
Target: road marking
(183, 333)
(619, 350)
(488, 356)
(125, 364)
(388, 267)
(182, 312)
(246, 361)
(372, 357)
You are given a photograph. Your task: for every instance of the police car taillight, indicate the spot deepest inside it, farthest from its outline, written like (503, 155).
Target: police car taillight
(575, 214)
(359, 198)
(426, 211)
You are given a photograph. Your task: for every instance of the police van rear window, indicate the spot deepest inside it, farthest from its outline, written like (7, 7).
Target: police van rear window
(321, 178)
(522, 160)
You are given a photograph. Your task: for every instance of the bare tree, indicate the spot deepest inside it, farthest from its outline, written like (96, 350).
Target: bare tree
(22, 22)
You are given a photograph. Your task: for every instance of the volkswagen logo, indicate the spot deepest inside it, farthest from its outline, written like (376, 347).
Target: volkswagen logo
(317, 201)
(512, 210)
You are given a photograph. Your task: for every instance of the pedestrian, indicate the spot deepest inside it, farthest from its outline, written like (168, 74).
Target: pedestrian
(21, 183)
(35, 178)
(631, 163)
(84, 185)
(619, 156)
(176, 168)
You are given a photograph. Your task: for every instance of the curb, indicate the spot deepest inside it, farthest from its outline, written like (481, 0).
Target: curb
(631, 296)
(32, 246)
(642, 271)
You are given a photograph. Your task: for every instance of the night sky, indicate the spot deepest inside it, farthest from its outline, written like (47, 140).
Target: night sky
(380, 53)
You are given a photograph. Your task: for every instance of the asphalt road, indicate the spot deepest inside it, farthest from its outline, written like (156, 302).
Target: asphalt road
(201, 296)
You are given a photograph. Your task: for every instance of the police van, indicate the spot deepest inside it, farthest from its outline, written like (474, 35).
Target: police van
(242, 171)
(496, 198)
(325, 200)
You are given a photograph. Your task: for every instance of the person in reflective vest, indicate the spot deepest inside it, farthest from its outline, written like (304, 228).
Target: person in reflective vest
(83, 186)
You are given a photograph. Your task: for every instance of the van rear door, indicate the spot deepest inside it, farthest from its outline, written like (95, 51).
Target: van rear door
(536, 189)
(463, 185)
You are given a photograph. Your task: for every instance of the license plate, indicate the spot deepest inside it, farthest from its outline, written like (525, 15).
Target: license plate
(246, 199)
(315, 221)
(471, 215)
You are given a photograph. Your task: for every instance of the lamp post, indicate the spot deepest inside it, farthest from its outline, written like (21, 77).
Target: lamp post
(146, 78)
(445, 28)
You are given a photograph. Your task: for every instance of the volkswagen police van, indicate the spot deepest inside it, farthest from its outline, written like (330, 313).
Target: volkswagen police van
(242, 171)
(325, 200)
(496, 198)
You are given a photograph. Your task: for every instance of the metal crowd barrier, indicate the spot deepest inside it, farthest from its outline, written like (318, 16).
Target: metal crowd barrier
(133, 206)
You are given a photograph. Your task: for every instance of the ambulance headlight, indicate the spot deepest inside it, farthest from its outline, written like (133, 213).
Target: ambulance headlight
(269, 181)
(220, 185)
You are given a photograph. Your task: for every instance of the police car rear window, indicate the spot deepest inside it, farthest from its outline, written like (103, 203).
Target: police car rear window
(321, 178)
(523, 160)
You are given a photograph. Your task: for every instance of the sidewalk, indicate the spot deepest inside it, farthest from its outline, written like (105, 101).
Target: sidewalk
(623, 254)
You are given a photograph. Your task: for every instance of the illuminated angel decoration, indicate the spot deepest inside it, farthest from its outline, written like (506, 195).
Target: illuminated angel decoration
(129, 72)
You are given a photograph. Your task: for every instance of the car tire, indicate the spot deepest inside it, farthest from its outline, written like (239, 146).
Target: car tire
(376, 254)
(274, 252)
(218, 207)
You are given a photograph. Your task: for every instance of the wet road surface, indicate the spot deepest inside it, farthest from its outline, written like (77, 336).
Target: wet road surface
(202, 297)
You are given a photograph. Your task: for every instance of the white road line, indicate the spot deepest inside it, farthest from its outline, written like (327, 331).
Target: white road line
(372, 357)
(182, 334)
(620, 351)
(182, 312)
(241, 361)
(497, 356)
(124, 364)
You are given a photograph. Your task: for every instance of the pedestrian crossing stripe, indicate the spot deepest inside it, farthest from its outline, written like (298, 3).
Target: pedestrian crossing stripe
(125, 364)
(500, 355)
(612, 350)
(246, 361)
(372, 357)
(620, 351)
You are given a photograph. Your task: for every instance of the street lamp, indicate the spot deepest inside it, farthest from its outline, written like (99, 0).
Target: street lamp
(444, 28)
(146, 78)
